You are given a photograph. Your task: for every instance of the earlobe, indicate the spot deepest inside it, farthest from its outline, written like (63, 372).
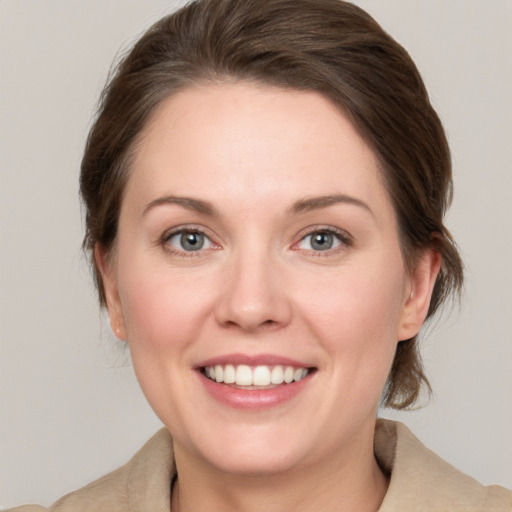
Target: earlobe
(115, 311)
(422, 281)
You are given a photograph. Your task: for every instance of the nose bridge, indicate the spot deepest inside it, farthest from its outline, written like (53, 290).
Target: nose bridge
(253, 292)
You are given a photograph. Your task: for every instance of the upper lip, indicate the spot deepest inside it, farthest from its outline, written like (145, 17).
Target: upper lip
(253, 360)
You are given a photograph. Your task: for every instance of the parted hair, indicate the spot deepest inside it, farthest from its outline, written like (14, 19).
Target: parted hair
(328, 46)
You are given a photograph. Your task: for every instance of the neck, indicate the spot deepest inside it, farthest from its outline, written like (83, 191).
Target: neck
(350, 482)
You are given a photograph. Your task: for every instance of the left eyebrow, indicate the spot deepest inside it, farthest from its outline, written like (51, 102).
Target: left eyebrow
(189, 203)
(318, 202)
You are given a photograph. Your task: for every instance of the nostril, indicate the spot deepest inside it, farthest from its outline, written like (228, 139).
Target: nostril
(253, 325)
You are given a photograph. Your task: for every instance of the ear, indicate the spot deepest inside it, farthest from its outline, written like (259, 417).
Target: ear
(418, 295)
(109, 278)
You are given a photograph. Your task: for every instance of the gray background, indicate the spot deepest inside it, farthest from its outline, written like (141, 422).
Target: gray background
(70, 409)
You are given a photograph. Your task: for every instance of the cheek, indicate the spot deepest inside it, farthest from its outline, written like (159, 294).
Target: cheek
(355, 305)
(163, 307)
(357, 318)
(165, 312)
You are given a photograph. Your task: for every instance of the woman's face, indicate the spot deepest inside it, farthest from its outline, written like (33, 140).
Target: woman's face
(257, 244)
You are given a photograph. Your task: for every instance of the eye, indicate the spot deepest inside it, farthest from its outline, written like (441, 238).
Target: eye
(188, 240)
(323, 240)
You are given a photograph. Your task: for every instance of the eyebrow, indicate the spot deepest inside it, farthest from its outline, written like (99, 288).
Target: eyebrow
(195, 205)
(318, 202)
(301, 206)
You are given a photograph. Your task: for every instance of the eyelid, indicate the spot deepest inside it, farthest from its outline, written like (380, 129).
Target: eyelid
(343, 236)
(186, 228)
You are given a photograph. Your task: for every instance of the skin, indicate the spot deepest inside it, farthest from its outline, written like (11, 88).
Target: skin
(259, 287)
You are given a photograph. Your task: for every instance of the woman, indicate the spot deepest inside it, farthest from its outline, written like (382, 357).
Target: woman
(265, 188)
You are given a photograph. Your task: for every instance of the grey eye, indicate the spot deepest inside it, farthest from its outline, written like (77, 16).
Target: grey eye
(189, 241)
(320, 241)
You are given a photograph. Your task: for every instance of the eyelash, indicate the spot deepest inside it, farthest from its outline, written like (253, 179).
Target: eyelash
(168, 235)
(342, 237)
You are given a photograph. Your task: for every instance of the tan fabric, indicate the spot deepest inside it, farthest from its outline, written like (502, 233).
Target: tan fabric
(420, 481)
(423, 482)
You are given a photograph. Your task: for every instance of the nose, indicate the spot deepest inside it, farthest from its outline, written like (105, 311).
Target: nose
(254, 295)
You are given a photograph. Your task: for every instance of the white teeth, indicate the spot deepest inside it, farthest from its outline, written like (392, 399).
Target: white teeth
(229, 374)
(277, 375)
(288, 374)
(219, 373)
(243, 375)
(262, 375)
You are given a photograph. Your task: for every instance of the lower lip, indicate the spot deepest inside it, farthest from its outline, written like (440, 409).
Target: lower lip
(253, 399)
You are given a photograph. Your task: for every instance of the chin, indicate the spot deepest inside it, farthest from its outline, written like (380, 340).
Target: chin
(257, 463)
(252, 450)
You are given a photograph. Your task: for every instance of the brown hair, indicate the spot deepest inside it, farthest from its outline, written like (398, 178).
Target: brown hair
(328, 46)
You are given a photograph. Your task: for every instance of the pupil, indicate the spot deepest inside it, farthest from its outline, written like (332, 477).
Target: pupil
(322, 241)
(192, 241)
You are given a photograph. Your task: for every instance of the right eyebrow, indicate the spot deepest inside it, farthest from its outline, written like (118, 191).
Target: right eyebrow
(190, 203)
(318, 202)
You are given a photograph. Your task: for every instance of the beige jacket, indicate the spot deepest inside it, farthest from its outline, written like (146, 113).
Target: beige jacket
(420, 481)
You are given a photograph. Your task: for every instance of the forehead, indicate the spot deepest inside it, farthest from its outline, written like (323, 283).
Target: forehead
(236, 140)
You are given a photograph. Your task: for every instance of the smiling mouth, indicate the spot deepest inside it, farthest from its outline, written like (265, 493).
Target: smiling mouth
(255, 377)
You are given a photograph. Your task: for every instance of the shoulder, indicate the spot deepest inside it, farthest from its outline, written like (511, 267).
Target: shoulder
(27, 508)
(422, 481)
(141, 484)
